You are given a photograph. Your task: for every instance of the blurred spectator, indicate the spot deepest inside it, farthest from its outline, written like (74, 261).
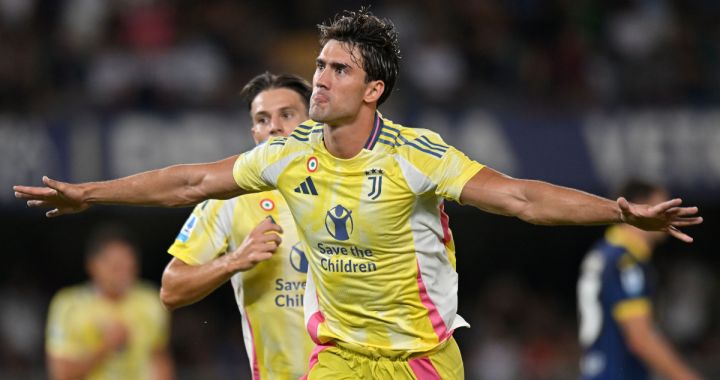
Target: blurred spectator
(113, 326)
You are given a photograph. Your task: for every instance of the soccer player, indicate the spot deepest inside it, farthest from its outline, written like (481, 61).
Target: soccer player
(366, 195)
(113, 327)
(617, 331)
(269, 294)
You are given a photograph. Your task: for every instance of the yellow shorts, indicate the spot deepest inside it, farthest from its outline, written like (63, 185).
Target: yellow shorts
(339, 363)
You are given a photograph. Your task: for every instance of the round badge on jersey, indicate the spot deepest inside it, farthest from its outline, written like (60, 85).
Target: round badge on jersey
(267, 204)
(312, 164)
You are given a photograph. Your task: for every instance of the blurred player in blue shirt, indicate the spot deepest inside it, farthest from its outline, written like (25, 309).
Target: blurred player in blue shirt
(617, 332)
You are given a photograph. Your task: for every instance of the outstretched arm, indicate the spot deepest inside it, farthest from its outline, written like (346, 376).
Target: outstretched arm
(184, 284)
(174, 186)
(543, 203)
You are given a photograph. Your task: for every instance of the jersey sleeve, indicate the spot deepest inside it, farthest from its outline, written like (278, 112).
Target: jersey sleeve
(432, 165)
(258, 169)
(626, 290)
(204, 236)
(61, 338)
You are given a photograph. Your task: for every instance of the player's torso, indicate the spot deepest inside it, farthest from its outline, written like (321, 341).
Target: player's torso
(606, 354)
(138, 312)
(361, 222)
(271, 294)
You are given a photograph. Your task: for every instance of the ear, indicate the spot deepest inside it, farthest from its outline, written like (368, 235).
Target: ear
(373, 91)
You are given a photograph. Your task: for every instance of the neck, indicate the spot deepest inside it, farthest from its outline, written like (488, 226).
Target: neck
(347, 139)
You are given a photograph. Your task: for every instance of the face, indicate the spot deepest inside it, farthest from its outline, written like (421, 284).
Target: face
(276, 112)
(339, 87)
(114, 270)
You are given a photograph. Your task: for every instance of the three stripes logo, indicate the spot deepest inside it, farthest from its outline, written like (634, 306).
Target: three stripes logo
(307, 187)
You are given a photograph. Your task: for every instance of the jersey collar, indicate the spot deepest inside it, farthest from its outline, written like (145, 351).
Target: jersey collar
(374, 133)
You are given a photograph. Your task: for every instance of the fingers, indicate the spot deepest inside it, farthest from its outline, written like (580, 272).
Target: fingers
(31, 192)
(267, 225)
(667, 205)
(37, 203)
(267, 238)
(624, 204)
(674, 232)
(684, 222)
(51, 183)
(682, 211)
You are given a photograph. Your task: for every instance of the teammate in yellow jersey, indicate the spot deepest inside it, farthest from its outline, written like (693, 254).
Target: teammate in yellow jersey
(366, 195)
(113, 327)
(269, 294)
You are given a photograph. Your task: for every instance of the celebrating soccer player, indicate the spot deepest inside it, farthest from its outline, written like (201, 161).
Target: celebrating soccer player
(366, 195)
(269, 295)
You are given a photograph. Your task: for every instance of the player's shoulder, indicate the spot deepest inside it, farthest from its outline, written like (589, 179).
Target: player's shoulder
(72, 295)
(419, 140)
(306, 134)
(212, 207)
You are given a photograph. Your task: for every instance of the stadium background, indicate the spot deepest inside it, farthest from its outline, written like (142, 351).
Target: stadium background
(582, 93)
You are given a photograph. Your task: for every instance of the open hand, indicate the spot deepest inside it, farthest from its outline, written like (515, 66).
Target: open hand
(62, 198)
(666, 216)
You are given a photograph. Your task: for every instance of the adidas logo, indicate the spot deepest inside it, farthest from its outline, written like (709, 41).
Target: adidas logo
(307, 187)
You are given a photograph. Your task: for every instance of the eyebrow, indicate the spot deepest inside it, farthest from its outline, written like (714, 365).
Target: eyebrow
(281, 109)
(334, 65)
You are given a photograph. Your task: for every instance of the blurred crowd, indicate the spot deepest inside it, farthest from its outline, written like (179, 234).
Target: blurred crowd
(61, 56)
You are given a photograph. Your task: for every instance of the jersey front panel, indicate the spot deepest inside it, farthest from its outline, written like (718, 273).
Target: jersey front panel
(78, 317)
(380, 253)
(613, 286)
(269, 296)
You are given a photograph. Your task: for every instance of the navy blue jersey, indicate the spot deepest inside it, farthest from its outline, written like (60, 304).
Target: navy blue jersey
(613, 285)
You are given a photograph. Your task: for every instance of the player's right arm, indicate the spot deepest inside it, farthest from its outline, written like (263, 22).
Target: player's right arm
(173, 186)
(648, 344)
(184, 284)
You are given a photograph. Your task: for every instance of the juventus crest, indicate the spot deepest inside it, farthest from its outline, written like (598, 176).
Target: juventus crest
(375, 176)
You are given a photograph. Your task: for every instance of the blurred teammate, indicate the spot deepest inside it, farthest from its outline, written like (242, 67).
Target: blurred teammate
(113, 327)
(366, 195)
(617, 332)
(269, 295)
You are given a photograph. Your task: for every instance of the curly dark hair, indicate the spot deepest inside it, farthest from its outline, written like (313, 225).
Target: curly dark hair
(268, 80)
(377, 40)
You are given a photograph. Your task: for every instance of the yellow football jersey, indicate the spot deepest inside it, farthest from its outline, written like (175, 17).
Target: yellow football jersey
(78, 315)
(269, 296)
(381, 258)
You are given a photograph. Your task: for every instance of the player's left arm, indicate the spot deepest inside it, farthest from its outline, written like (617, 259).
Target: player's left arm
(543, 203)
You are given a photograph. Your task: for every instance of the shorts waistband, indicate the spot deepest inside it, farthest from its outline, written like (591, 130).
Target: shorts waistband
(376, 353)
